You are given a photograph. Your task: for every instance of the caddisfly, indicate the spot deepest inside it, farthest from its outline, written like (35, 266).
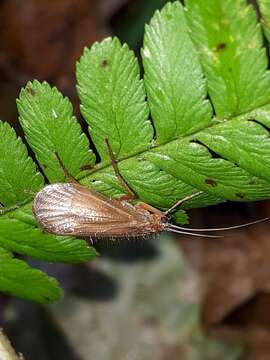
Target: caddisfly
(73, 209)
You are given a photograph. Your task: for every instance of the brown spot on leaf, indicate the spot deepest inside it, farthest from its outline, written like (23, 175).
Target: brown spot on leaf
(104, 63)
(30, 90)
(240, 195)
(252, 182)
(220, 46)
(211, 182)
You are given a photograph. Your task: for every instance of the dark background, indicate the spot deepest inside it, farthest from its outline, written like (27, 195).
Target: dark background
(42, 40)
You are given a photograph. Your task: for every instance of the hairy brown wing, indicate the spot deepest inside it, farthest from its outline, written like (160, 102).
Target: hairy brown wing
(72, 209)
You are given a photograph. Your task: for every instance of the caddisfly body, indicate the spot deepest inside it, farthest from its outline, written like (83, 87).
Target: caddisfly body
(73, 209)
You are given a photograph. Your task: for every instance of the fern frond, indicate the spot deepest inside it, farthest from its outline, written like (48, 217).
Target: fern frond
(208, 89)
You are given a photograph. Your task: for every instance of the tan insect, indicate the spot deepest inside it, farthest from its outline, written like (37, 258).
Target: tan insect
(72, 209)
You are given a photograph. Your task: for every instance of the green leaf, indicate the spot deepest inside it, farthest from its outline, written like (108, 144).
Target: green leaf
(244, 142)
(53, 132)
(113, 99)
(175, 81)
(17, 278)
(264, 6)
(175, 86)
(180, 217)
(18, 176)
(60, 147)
(193, 163)
(229, 42)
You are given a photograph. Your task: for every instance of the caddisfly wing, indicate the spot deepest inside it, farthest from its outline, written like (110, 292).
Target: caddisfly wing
(72, 209)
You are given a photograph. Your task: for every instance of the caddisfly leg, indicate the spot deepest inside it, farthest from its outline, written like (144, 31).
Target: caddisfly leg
(149, 208)
(131, 194)
(68, 176)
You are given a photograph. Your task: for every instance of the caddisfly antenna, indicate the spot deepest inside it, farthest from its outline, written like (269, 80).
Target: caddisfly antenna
(171, 226)
(181, 201)
(188, 231)
(191, 233)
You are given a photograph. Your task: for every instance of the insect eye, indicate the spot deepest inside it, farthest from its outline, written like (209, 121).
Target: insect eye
(164, 219)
